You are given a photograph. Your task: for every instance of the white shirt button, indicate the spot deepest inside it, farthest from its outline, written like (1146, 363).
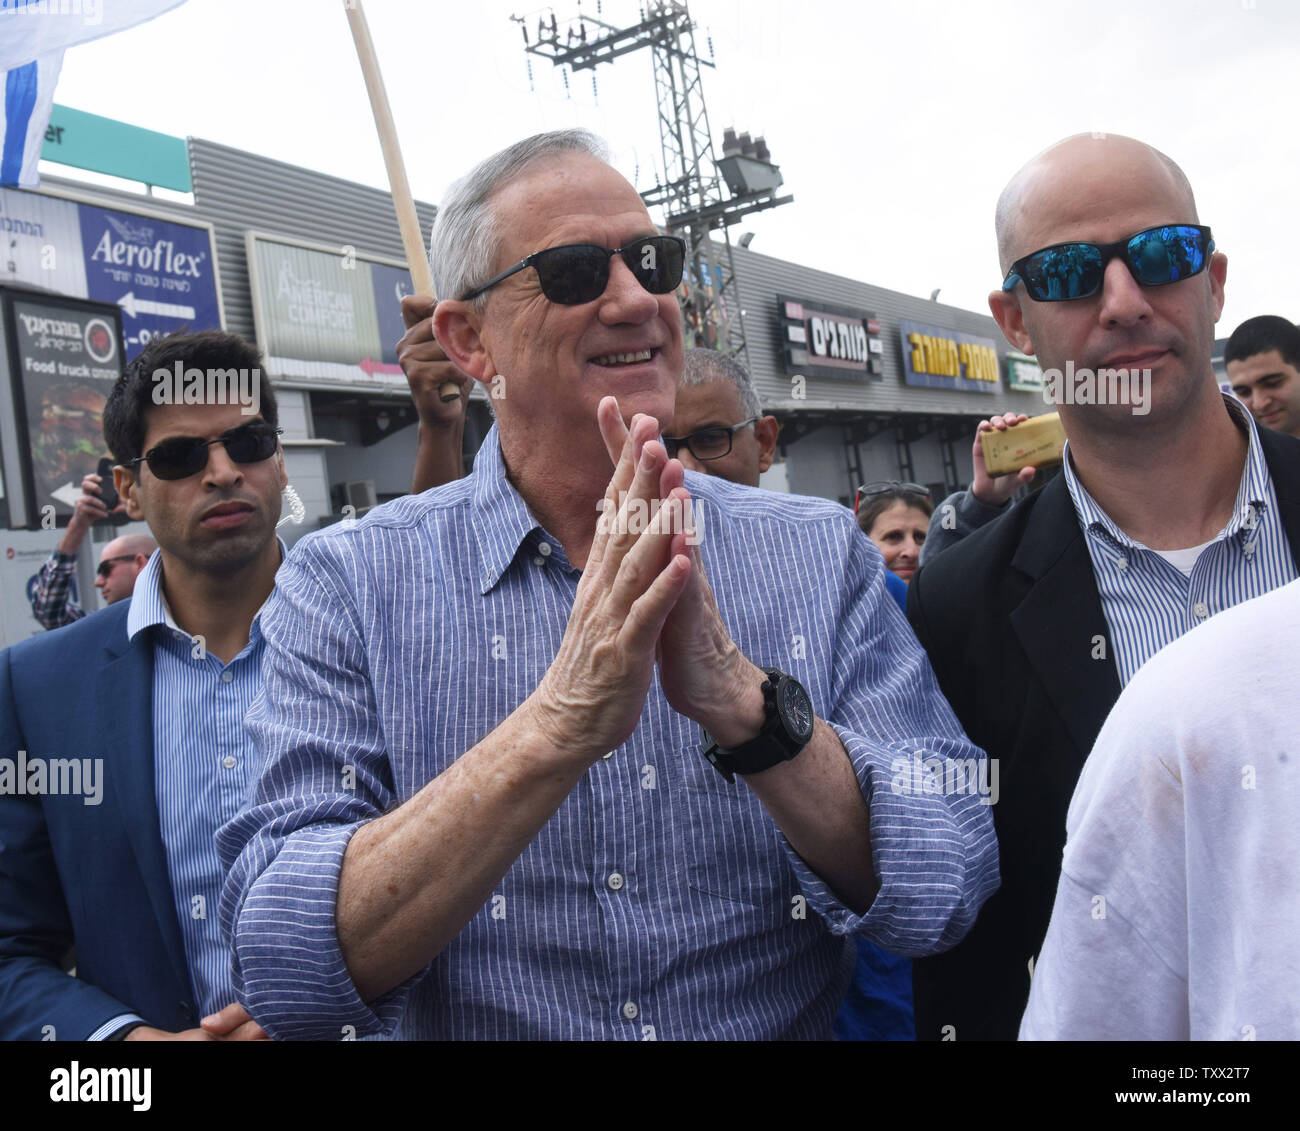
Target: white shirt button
(630, 1010)
(1201, 609)
(227, 676)
(608, 756)
(228, 761)
(1122, 563)
(1249, 548)
(544, 549)
(539, 560)
(615, 881)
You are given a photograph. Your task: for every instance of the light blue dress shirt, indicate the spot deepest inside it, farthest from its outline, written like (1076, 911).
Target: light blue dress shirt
(203, 761)
(1149, 602)
(659, 901)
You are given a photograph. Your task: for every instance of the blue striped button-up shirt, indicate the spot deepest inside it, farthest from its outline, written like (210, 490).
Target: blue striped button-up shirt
(203, 759)
(1147, 600)
(659, 901)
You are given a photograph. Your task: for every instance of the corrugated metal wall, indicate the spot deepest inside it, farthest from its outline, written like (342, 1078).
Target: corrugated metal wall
(237, 191)
(761, 278)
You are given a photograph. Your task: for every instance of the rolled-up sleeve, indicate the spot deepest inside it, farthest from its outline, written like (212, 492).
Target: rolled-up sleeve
(928, 788)
(325, 772)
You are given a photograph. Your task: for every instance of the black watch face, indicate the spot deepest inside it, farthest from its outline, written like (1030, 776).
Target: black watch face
(796, 709)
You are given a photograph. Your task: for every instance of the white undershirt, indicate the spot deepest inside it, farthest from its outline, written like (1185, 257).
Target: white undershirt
(1183, 560)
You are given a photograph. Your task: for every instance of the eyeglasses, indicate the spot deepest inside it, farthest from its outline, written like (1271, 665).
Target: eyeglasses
(1154, 257)
(106, 566)
(183, 456)
(706, 443)
(579, 272)
(869, 489)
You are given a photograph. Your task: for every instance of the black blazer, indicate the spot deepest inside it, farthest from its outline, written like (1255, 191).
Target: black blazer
(1011, 619)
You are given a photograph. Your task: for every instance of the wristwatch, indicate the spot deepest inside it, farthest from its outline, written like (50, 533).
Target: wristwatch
(787, 729)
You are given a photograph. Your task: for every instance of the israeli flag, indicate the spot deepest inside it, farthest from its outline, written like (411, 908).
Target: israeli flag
(29, 96)
(33, 36)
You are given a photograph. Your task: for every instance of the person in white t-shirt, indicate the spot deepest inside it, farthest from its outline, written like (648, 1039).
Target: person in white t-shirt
(1179, 899)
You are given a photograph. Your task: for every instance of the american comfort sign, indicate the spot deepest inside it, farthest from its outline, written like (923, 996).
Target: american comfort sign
(327, 317)
(935, 357)
(821, 339)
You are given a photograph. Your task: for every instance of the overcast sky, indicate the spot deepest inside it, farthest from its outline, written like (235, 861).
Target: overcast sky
(895, 123)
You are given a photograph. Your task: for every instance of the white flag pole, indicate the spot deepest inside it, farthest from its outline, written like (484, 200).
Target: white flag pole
(407, 220)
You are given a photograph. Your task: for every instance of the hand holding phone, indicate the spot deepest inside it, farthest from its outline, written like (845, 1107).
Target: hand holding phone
(107, 491)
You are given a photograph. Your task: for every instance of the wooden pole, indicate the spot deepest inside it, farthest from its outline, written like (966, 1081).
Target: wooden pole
(407, 221)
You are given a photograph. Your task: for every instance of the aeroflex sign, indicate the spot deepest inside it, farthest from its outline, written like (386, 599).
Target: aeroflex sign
(162, 256)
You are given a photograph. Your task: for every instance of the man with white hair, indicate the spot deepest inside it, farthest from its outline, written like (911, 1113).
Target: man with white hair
(487, 808)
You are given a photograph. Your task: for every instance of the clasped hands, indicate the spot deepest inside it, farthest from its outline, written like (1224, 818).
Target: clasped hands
(644, 599)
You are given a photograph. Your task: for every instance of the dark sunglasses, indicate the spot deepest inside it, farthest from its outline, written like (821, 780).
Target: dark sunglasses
(106, 566)
(183, 456)
(869, 489)
(579, 272)
(1155, 257)
(706, 443)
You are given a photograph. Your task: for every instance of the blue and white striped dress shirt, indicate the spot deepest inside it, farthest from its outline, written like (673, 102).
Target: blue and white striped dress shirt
(1147, 600)
(659, 901)
(203, 760)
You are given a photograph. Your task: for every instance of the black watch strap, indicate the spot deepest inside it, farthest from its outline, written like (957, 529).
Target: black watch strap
(786, 730)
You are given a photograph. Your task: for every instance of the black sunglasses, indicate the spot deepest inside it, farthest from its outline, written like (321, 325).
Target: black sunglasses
(706, 443)
(579, 272)
(869, 489)
(183, 456)
(1154, 257)
(106, 566)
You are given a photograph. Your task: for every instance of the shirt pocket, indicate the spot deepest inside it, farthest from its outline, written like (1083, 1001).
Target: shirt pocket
(734, 851)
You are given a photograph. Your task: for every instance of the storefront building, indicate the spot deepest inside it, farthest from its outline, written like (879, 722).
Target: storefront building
(310, 267)
(869, 384)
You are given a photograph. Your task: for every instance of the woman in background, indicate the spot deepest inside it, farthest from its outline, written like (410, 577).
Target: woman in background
(896, 516)
(878, 1004)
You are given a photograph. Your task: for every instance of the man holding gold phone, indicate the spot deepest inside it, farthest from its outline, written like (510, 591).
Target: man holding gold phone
(1164, 514)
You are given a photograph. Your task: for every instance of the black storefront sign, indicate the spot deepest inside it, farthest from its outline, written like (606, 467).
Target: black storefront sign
(823, 339)
(63, 358)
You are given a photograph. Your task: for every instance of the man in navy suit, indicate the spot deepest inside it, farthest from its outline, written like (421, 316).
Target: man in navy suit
(122, 745)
